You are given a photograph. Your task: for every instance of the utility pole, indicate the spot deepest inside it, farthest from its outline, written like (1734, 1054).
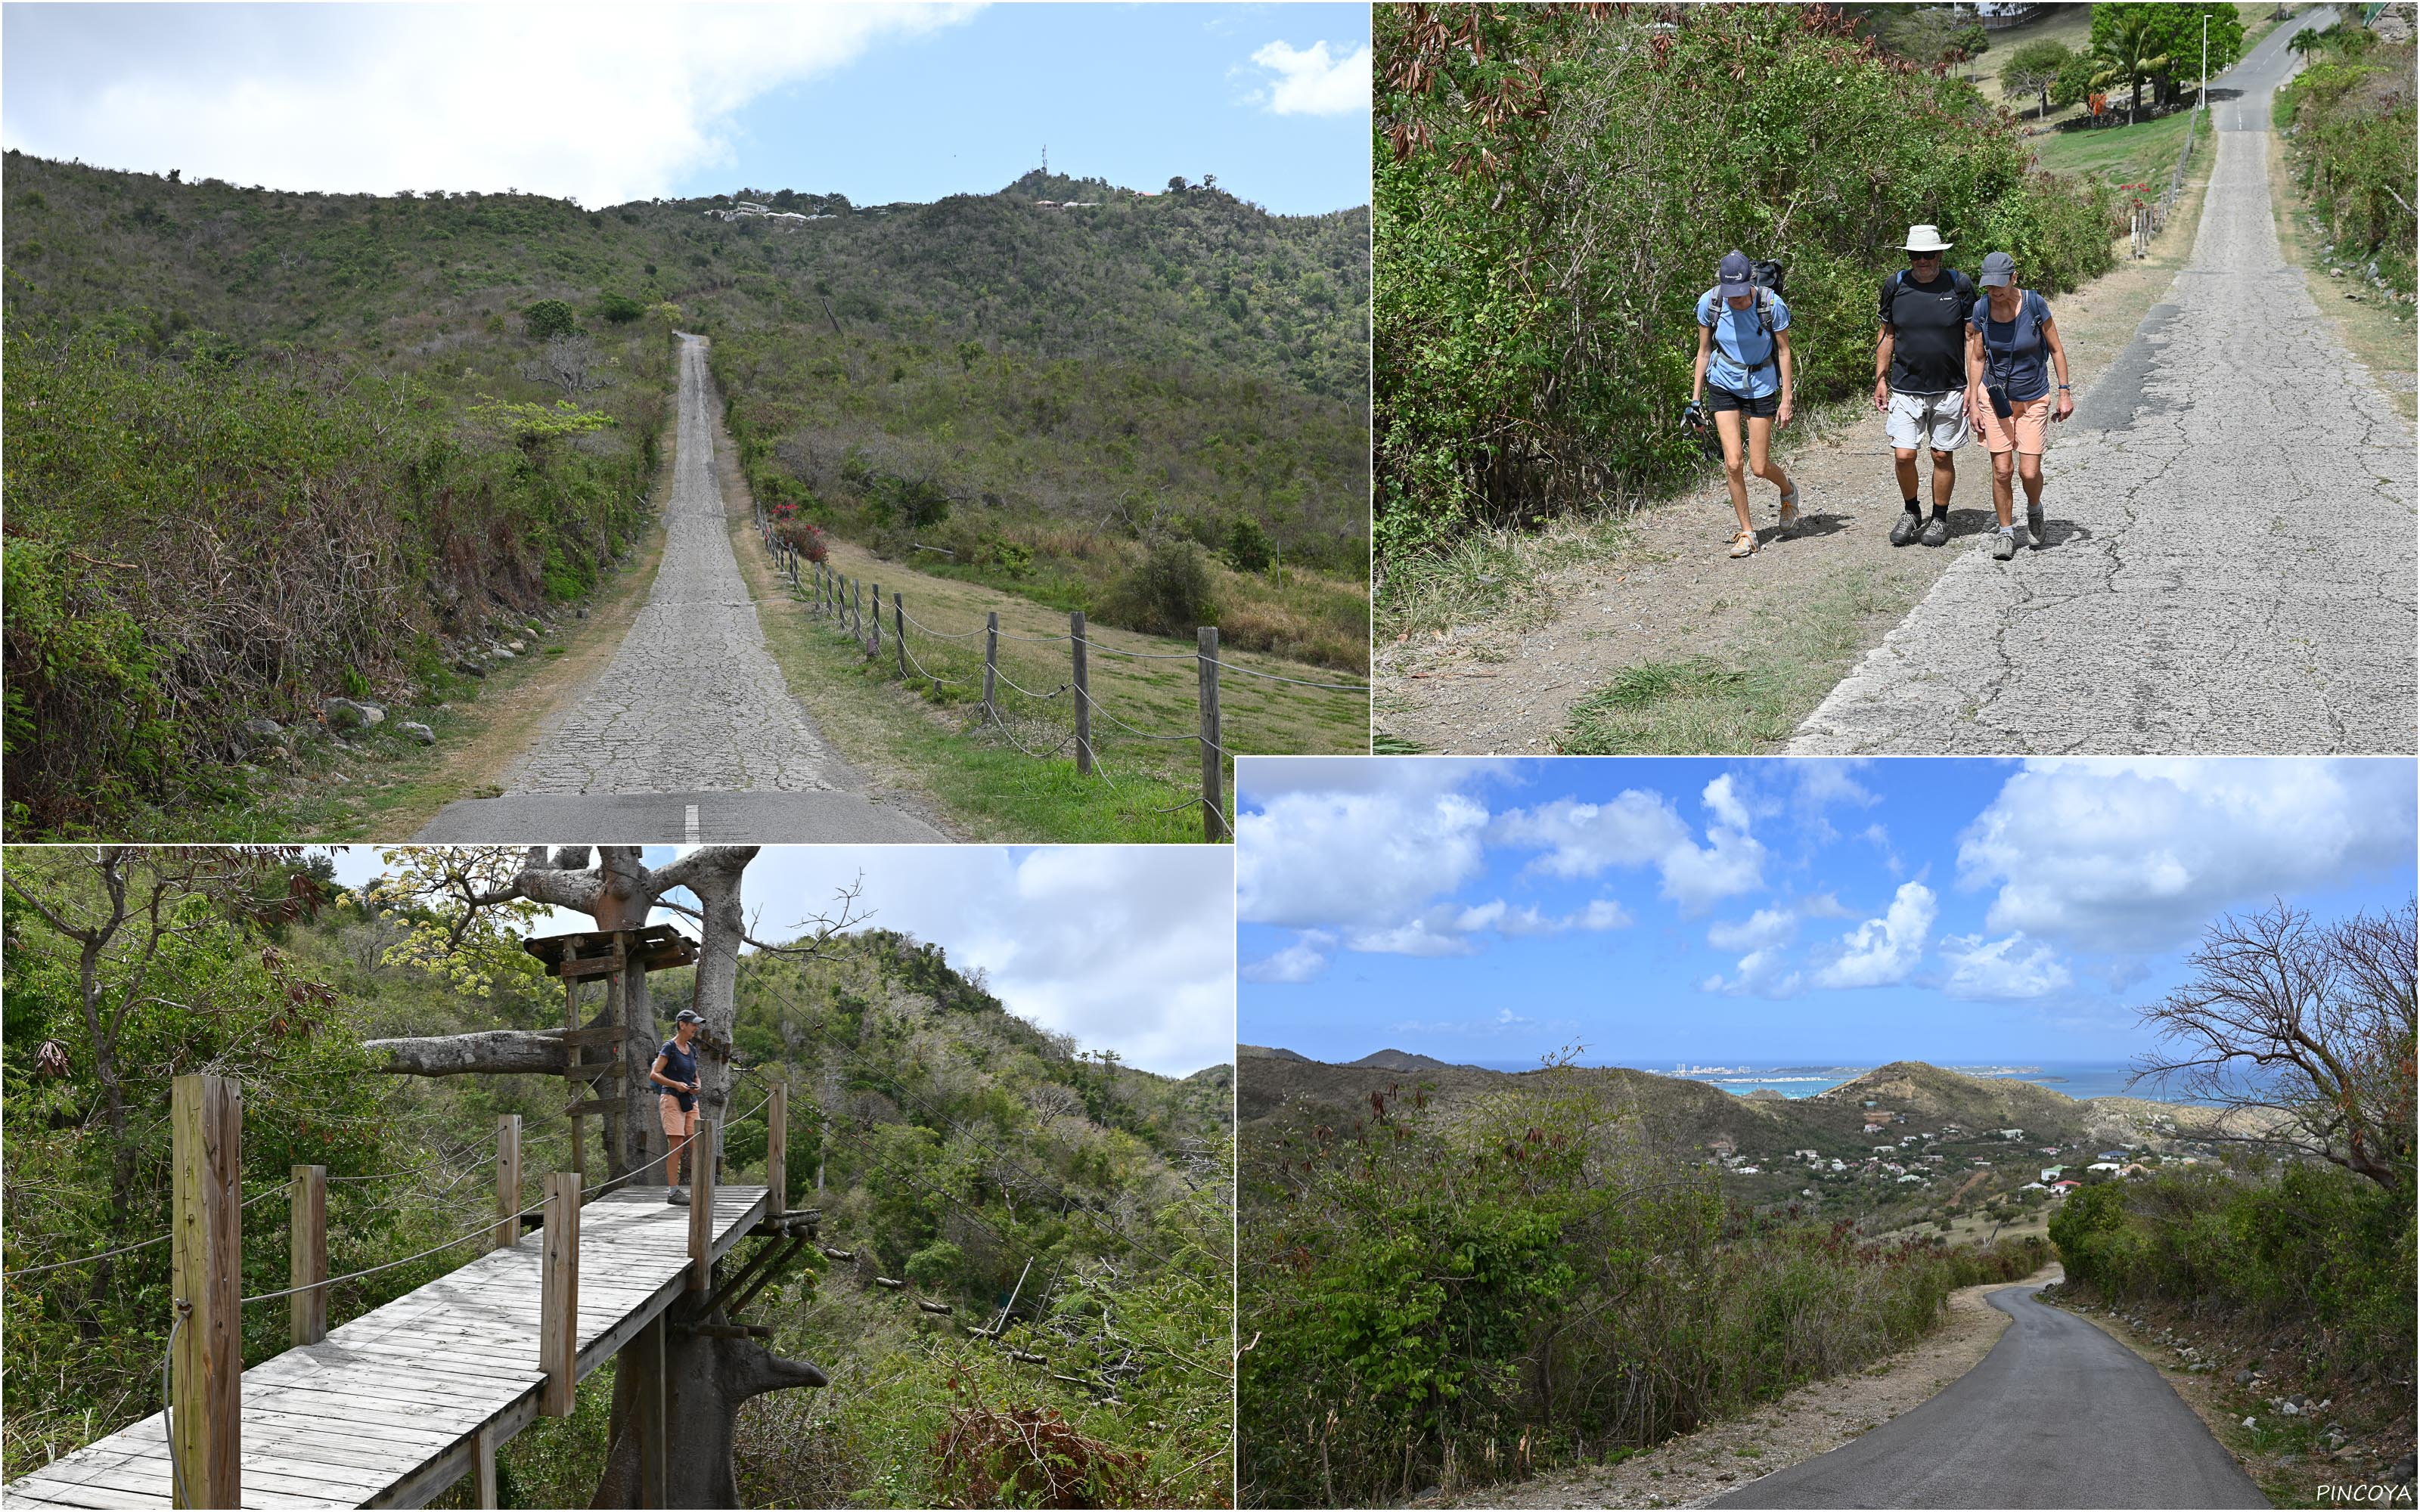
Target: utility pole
(2205, 62)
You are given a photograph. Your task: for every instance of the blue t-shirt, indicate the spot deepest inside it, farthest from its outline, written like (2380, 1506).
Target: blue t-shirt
(2014, 352)
(681, 1066)
(1740, 341)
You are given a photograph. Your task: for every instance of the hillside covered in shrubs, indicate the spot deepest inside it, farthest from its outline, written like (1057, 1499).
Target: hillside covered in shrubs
(2352, 133)
(271, 447)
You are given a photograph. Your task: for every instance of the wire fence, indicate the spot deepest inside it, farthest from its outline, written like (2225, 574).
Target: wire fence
(2150, 212)
(1041, 701)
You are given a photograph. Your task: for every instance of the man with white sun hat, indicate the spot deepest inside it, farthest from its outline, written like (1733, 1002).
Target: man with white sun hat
(1920, 376)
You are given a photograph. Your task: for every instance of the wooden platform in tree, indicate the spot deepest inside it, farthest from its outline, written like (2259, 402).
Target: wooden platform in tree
(382, 1413)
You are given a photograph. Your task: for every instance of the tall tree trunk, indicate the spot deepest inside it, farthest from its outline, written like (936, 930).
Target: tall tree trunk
(705, 1380)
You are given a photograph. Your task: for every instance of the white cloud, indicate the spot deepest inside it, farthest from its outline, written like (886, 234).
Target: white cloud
(2001, 970)
(1761, 930)
(1641, 828)
(1879, 838)
(2137, 855)
(1302, 961)
(601, 103)
(1881, 952)
(1823, 783)
(1725, 803)
(1308, 82)
(1371, 857)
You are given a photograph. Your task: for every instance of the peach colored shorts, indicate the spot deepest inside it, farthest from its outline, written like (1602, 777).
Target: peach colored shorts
(2026, 430)
(678, 1125)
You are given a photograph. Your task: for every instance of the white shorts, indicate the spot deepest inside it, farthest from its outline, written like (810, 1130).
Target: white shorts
(1917, 418)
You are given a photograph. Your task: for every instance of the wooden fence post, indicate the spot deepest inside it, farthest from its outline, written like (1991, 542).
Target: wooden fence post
(899, 633)
(991, 659)
(1083, 696)
(1214, 785)
(777, 1149)
(572, 1085)
(206, 1288)
(857, 607)
(558, 1308)
(307, 1203)
(873, 638)
(701, 1206)
(508, 1182)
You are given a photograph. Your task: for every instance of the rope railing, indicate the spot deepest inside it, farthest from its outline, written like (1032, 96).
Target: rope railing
(838, 600)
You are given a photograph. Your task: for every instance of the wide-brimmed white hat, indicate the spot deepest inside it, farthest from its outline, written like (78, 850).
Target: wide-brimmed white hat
(1925, 239)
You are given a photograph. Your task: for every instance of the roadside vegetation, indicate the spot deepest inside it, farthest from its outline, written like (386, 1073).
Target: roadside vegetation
(2350, 124)
(1450, 1300)
(927, 1122)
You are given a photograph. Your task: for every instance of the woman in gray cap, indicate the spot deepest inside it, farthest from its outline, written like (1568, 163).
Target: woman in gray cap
(1744, 355)
(2012, 345)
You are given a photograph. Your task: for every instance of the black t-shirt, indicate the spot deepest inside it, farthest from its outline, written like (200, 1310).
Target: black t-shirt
(1928, 324)
(681, 1066)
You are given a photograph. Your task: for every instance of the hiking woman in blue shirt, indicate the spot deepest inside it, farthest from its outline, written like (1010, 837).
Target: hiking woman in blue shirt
(1744, 357)
(2012, 345)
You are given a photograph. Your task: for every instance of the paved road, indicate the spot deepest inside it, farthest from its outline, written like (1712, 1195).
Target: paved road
(691, 732)
(2231, 525)
(2058, 1415)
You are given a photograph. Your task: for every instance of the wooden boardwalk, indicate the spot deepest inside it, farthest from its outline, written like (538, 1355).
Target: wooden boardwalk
(384, 1410)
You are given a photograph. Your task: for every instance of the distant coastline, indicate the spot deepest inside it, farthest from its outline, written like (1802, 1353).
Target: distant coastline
(2080, 1080)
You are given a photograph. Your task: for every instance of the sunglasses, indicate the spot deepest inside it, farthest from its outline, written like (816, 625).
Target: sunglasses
(1924, 256)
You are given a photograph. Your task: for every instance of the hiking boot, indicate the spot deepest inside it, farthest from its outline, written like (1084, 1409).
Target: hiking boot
(1743, 543)
(2034, 523)
(1936, 530)
(2004, 544)
(677, 1197)
(1790, 514)
(1910, 525)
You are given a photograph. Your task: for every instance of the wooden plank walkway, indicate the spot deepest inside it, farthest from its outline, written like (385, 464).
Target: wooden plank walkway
(382, 1411)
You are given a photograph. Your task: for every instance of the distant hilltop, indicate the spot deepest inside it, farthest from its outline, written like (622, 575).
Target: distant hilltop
(1376, 1060)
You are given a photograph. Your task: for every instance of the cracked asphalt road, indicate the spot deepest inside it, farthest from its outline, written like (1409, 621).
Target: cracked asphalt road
(691, 732)
(2058, 1415)
(2232, 515)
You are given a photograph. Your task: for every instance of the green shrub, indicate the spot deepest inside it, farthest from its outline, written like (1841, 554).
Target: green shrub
(939, 1266)
(548, 319)
(619, 309)
(1248, 548)
(1168, 592)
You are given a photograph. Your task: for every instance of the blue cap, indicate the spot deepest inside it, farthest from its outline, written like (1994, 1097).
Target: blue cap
(1999, 270)
(1736, 276)
(687, 1016)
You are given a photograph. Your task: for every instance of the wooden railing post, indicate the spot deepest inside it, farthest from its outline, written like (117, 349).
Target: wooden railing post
(207, 1114)
(307, 1203)
(558, 1308)
(1214, 784)
(991, 659)
(857, 606)
(777, 1150)
(1083, 696)
(508, 1182)
(874, 634)
(701, 1206)
(899, 633)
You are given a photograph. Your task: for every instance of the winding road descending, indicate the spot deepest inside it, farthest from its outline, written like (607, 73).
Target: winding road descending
(2231, 534)
(691, 734)
(2058, 1415)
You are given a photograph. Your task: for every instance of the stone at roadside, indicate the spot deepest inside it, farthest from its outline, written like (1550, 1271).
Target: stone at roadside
(501, 653)
(343, 714)
(470, 668)
(517, 647)
(264, 729)
(419, 732)
(584, 612)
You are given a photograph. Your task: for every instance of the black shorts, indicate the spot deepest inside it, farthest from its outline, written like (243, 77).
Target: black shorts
(1719, 400)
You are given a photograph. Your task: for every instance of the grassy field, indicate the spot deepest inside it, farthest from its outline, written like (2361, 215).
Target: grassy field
(2139, 154)
(1017, 778)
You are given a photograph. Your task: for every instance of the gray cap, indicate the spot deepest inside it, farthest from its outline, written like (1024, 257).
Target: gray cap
(1735, 277)
(688, 1015)
(1999, 270)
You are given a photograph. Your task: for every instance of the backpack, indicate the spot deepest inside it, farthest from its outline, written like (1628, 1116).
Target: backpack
(1959, 283)
(1768, 277)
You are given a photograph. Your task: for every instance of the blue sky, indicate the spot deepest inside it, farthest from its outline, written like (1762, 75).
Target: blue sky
(606, 103)
(1129, 947)
(1808, 911)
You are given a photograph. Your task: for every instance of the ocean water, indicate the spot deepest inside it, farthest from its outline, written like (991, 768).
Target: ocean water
(2076, 1079)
